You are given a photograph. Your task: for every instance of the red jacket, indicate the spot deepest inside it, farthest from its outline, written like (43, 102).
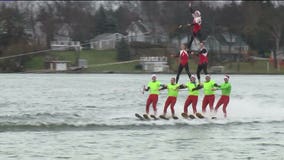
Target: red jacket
(183, 57)
(203, 56)
(196, 24)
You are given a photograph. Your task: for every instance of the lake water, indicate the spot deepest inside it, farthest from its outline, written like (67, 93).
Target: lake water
(91, 117)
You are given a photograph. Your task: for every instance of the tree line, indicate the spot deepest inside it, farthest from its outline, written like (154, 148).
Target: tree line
(260, 23)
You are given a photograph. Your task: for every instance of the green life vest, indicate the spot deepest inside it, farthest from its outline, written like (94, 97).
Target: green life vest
(154, 87)
(190, 86)
(173, 89)
(207, 87)
(226, 89)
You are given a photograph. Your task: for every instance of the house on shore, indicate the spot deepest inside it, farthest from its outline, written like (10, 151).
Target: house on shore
(227, 46)
(105, 41)
(63, 41)
(139, 31)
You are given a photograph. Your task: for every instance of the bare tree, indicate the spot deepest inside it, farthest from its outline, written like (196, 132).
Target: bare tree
(50, 23)
(271, 21)
(78, 16)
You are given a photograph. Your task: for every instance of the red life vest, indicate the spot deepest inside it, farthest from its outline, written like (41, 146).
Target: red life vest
(196, 24)
(203, 57)
(183, 57)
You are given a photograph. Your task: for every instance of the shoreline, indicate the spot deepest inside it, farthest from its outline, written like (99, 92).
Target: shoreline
(112, 72)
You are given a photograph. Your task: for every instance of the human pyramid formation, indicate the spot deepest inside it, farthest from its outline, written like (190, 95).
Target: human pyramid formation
(209, 86)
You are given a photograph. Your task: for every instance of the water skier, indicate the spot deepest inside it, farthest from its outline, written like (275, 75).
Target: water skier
(184, 56)
(225, 98)
(203, 61)
(154, 87)
(196, 25)
(173, 90)
(209, 94)
(193, 92)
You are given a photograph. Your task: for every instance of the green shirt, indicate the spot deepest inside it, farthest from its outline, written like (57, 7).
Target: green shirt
(207, 87)
(173, 89)
(190, 86)
(154, 87)
(226, 89)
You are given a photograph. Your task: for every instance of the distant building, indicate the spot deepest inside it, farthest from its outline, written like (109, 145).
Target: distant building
(138, 31)
(105, 41)
(64, 33)
(63, 40)
(57, 65)
(227, 46)
(65, 45)
(154, 64)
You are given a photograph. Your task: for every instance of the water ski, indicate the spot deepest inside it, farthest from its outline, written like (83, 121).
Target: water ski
(199, 115)
(146, 116)
(163, 117)
(139, 116)
(191, 116)
(175, 117)
(184, 115)
(154, 117)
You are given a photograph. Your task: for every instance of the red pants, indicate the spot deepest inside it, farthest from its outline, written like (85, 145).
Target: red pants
(208, 99)
(170, 101)
(225, 101)
(153, 98)
(189, 100)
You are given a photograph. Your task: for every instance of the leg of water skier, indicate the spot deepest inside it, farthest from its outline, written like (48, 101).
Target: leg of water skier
(150, 100)
(187, 71)
(180, 68)
(194, 103)
(205, 102)
(186, 104)
(211, 102)
(173, 102)
(155, 101)
(167, 103)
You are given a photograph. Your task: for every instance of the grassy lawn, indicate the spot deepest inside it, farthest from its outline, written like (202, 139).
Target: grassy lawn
(94, 58)
(105, 61)
(128, 67)
(257, 67)
(35, 63)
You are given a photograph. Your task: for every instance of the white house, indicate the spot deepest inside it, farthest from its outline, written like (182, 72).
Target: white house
(105, 41)
(139, 31)
(63, 40)
(65, 45)
(227, 46)
(63, 33)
